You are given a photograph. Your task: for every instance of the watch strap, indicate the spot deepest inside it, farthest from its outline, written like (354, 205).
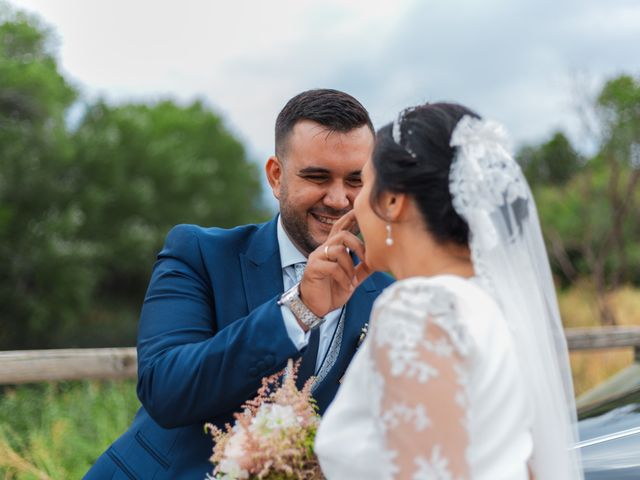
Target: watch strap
(291, 299)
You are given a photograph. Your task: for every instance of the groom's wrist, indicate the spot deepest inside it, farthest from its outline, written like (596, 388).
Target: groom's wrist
(304, 328)
(292, 300)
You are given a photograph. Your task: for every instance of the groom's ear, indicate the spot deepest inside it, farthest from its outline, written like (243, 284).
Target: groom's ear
(275, 173)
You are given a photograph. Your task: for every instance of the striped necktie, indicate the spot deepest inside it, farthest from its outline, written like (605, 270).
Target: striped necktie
(299, 271)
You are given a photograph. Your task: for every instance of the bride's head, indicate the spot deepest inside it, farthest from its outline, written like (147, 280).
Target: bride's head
(405, 210)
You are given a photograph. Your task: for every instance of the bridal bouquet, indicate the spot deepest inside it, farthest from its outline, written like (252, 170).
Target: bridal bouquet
(272, 439)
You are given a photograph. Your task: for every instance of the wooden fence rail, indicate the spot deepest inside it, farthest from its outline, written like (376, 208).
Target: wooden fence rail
(604, 337)
(26, 366)
(102, 363)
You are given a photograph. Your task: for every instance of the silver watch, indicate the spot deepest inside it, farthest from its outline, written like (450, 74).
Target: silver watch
(291, 300)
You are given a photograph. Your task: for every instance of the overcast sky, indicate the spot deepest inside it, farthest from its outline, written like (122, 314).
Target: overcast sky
(514, 61)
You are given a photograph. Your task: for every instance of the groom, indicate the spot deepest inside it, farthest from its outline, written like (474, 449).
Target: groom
(225, 308)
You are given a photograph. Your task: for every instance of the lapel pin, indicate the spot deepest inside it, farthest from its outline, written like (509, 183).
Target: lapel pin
(363, 334)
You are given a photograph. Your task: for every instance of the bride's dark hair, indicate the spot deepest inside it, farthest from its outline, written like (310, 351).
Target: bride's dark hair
(419, 166)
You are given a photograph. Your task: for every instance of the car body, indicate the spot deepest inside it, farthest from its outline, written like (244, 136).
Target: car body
(610, 437)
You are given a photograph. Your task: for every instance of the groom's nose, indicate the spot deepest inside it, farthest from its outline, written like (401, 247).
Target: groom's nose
(337, 196)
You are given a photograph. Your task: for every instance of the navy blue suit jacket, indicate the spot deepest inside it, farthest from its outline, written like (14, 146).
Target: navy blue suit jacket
(210, 329)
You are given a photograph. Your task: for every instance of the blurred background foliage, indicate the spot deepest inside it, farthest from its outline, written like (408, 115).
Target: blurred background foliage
(88, 191)
(85, 204)
(589, 206)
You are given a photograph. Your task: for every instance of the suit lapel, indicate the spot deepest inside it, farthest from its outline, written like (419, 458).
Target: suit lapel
(357, 314)
(261, 267)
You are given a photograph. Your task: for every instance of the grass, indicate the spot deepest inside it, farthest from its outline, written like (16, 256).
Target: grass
(57, 431)
(578, 309)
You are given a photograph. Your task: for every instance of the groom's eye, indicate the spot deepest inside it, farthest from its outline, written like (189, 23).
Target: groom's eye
(316, 178)
(354, 181)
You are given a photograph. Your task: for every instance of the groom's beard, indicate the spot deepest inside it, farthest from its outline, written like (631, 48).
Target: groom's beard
(297, 225)
(296, 221)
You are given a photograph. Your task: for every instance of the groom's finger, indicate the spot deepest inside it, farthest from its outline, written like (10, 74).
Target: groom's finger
(335, 271)
(346, 222)
(350, 241)
(362, 272)
(340, 255)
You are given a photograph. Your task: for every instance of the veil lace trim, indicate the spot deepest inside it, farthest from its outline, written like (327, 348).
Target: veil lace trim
(482, 180)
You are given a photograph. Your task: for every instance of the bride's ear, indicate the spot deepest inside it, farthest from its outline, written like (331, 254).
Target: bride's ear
(393, 205)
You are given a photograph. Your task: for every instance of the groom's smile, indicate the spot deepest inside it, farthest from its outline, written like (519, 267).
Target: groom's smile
(319, 224)
(325, 220)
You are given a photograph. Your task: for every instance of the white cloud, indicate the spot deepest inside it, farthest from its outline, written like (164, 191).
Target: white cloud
(509, 60)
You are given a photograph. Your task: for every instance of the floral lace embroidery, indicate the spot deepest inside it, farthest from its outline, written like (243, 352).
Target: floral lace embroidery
(389, 468)
(403, 338)
(442, 347)
(485, 181)
(376, 384)
(484, 176)
(436, 468)
(400, 411)
(403, 328)
(406, 310)
(462, 397)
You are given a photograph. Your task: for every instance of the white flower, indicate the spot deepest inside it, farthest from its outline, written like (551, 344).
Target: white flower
(234, 449)
(274, 417)
(230, 470)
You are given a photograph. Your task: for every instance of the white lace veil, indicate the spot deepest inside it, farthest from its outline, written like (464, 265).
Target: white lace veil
(490, 192)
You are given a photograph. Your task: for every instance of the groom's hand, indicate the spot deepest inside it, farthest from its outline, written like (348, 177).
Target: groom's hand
(331, 277)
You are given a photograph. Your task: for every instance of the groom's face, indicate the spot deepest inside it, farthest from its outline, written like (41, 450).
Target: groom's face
(317, 179)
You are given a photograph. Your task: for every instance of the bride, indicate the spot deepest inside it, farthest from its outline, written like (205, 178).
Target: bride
(464, 373)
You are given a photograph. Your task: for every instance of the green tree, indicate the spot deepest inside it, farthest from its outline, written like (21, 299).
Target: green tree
(591, 222)
(42, 273)
(147, 168)
(552, 163)
(83, 211)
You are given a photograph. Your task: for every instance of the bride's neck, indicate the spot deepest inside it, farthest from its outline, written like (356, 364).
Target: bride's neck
(417, 254)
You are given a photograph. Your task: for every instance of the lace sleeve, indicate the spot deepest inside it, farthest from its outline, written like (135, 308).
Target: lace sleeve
(419, 355)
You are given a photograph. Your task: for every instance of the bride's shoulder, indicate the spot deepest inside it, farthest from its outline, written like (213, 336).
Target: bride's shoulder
(420, 293)
(417, 296)
(410, 305)
(459, 306)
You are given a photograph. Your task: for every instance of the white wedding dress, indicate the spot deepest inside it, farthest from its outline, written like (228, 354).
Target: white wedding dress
(434, 393)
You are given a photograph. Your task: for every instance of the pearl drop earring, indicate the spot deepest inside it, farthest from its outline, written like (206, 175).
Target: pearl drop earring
(389, 240)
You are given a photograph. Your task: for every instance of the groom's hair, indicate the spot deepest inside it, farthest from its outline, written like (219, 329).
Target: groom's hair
(335, 110)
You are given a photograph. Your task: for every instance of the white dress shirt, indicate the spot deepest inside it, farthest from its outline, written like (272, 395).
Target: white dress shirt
(289, 256)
